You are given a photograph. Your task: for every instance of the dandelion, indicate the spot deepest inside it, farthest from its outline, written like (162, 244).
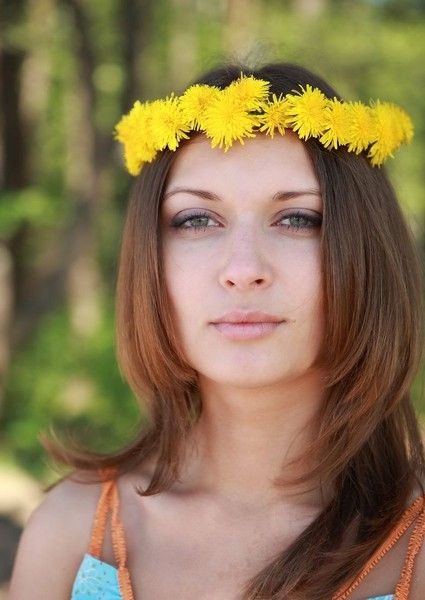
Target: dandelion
(389, 134)
(168, 123)
(226, 120)
(195, 101)
(362, 126)
(306, 112)
(405, 124)
(336, 124)
(250, 92)
(274, 115)
(134, 132)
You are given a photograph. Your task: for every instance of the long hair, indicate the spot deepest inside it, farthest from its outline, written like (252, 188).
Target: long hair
(369, 446)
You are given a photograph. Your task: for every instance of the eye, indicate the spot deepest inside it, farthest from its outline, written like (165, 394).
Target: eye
(300, 220)
(198, 221)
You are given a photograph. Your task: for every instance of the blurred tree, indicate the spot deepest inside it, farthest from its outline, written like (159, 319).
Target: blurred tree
(182, 44)
(400, 9)
(92, 149)
(14, 168)
(309, 8)
(242, 24)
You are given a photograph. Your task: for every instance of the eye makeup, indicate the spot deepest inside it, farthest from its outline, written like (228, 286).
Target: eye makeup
(296, 220)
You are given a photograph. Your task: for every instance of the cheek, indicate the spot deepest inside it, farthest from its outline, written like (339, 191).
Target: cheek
(301, 279)
(186, 280)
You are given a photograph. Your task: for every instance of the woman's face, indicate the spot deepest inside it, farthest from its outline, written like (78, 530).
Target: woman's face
(248, 250)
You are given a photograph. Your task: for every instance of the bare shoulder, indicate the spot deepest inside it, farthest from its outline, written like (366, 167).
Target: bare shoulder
(54, 540)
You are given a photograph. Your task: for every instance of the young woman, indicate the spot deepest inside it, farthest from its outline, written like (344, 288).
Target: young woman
(270, 318)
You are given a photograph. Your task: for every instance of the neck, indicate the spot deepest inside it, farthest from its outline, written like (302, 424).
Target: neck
(244, 439)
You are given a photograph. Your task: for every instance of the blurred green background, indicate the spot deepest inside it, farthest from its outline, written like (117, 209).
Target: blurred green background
(69, 70)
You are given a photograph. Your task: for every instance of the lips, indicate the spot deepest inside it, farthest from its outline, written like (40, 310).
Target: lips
(243, 331)
(246, 324)
(253, 316)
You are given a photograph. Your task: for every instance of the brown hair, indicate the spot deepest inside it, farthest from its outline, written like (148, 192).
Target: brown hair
(370, 446)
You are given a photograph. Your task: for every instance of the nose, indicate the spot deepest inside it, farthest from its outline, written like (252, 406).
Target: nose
(245, 264)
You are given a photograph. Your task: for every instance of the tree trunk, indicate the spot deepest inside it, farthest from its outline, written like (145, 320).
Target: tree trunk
(13, 177)
(240, 32)
(6, 309)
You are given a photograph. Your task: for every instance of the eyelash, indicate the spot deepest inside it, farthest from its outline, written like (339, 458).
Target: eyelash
(313, 222)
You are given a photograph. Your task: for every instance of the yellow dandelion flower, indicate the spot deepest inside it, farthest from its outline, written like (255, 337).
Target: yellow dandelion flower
(133, 131)
(168, 124)
(135, 162)
(336, 124)
(195, 101)
(306, 112)
(362, 126)
(250, 92)
(402, 125)
(405, 124)
(388, 133)
(274, 115)
(226, 120)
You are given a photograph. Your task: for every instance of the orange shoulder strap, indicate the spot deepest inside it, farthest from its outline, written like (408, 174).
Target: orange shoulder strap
(109, 500)
(416, 540)
(101, 515)
(120, 550)
(415, 511)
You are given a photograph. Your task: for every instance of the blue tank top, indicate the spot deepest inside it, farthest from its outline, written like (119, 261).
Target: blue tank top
(96, 579)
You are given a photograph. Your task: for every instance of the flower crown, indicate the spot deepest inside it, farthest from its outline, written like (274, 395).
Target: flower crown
(244, 107)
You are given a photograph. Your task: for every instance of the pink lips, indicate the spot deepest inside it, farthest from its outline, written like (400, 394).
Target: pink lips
(240, 325)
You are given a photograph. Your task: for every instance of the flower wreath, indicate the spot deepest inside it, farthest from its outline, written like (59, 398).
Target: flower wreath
(245, 106)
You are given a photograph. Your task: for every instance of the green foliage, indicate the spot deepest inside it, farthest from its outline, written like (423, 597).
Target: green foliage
(70, 383)
(31, 205)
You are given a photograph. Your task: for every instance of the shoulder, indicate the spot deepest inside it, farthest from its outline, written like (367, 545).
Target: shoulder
(55, 539)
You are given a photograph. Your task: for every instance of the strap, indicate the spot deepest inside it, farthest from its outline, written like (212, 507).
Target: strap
(120, 550)
(402, 591)
(101, 515)
(109, 500)
(410, 514)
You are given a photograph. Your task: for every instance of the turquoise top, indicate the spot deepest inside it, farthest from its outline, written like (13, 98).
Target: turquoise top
(99, 580)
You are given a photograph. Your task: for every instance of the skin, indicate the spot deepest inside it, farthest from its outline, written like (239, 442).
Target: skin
(260, 396)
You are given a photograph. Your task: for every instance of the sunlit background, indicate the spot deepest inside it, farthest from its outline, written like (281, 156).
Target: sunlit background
(68, 71)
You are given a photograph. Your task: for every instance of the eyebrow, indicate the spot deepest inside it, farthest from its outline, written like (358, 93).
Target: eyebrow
(278, 196)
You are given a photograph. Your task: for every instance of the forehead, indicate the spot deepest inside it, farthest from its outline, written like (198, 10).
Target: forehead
(261, 161)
